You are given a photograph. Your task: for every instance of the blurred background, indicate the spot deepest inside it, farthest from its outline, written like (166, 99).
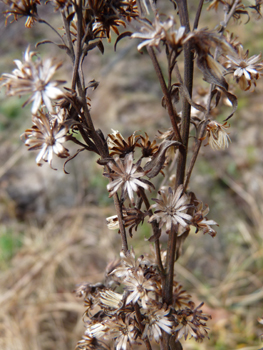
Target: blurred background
(53, 232)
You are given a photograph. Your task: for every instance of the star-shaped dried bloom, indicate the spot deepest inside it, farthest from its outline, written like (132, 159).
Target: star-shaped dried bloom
(200, 221)
(48, 137)
(118, 145)
(245, 70)
(156, 321)
(191, 321)
(170, 209)
(123, 333)
(218, 137)
(23, 8)
(138, 286)
(126, 175)
(34, 77)
(153, 33)
(148, 147)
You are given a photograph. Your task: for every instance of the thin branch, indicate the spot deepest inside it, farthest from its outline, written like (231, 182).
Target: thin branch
(40, 20)
(79, 45)
(198, 14)
(208, 108)
(67, 30)
(121, 224)
(155, 232)
(188, 81)
(139, 319)
(171, 111)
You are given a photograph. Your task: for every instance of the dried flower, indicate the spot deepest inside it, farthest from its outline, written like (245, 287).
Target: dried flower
(129, 264)
(214, 4)
(106, 16)
(245, 70)
(23, 8)
(113, 222)
(148, 147)
(200, 222)
(170, 209)
(138, 286)
(132, 217)
(191, 321)
(218, 137)
(155, 321)
(34, 77)
(48, 137)
(126, 176)
(110, 299)
(152, 34)
(123, 333)
(175, 38)
(118, 145)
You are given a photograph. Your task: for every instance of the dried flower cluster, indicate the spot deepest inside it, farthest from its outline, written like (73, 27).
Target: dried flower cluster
(140, 300)
(137, 313)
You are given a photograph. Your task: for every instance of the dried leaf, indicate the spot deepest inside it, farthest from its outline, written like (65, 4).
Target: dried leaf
(60, 46)
(121, 36)
(154, 166)
(213, 74)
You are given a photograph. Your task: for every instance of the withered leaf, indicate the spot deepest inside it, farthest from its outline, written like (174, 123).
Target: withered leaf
(213, 75)
(154, 166)
(61, 46)
(121, 36)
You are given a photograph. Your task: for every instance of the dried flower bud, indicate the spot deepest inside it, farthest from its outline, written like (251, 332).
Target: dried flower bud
(218, 137)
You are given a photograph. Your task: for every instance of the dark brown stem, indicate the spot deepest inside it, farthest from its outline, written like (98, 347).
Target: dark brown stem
(171, 111)
(203, 128)
(121, 224)
(168, 291)
(67, 30)
(186, 109)
(156, 234)
(139, 319)
(198, 14)
(188, 81)
(79, 45)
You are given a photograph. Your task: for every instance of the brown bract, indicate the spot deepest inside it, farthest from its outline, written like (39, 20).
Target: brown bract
(118, 145)
(148, 147)
(23, 8)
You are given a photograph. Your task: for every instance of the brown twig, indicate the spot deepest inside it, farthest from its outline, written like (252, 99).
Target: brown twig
(121, 224)
(171, 111)
(156, 234)
(139, 319)
(208, 108)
